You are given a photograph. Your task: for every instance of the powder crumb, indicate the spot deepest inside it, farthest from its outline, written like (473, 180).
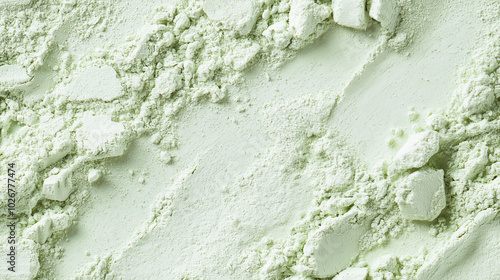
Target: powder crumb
(141, 180)
(94, 176)
(413, 116)
(166, 158)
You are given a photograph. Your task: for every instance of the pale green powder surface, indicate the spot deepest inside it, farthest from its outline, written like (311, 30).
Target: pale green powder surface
(250, 140)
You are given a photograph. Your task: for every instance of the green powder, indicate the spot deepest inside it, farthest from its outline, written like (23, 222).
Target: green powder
(83, 82)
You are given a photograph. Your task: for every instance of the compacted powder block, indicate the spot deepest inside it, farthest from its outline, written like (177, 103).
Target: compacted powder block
(352, 273)
(333, 246)
(351, 13)
(385, 11)
(421, 195)
(416, 152)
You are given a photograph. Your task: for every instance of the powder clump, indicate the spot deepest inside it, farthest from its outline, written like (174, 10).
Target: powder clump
(421, 195)
(416, 152)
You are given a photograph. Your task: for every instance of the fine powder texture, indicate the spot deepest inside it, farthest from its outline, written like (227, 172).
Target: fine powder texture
(191, 139)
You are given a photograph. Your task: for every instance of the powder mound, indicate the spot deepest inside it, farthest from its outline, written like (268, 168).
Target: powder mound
(239, 14)
(168, 82)
(11, 75)
(386, 262)
(59, 186)
(332, 247)
(279, 34)
(242, 55)
(421, 195)
(93, 176)
(62, 147)
(416, 152)
(95, 83)
(351, 13)
(50, 222)
(98, 135)
(476, 96)
(469, 161)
